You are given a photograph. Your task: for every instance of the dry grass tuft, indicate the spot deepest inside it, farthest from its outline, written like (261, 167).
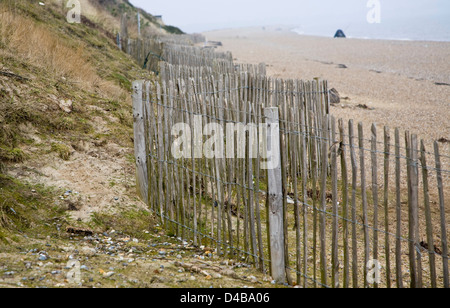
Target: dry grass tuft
(39, 46)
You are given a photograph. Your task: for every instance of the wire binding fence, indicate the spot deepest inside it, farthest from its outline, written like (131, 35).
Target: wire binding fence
(357, 207)
(350, 200)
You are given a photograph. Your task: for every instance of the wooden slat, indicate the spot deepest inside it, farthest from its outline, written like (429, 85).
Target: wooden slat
(411, 217)
(323, 203)
(334, 192)
(364, 201)
(387, 250)
(415, 205)
(304, 167)
(374, 194)
(258, 120)
(429, 226)
(314, 144)
(353, 204)
(295, 171)
(398, 210)
(440, 185)
(160, 149)
(344, 191)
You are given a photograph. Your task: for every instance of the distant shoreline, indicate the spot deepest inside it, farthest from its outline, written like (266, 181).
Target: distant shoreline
(377, 39)
(330, 34)
(380, 39)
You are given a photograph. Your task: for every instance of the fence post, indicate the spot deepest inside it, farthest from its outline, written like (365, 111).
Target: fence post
(119, 41)
(139, 141)
(275, 189)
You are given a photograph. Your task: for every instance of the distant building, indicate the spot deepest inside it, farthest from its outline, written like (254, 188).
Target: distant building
(159, 19)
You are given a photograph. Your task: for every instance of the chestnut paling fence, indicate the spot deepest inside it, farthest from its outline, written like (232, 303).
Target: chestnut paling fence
(347, 206)
(349, 202)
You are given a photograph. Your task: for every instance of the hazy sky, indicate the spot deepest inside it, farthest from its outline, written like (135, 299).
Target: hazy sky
(202, 15)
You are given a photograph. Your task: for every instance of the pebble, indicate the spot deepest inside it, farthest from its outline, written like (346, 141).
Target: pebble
(42, 257)
(88, 251)
(108, 274)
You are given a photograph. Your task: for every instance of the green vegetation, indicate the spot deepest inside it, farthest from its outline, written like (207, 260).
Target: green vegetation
(62, 150)
(173, 30)
(26, 209)
(121, 80)
(14, 155)
(131, 222)
(50, 62)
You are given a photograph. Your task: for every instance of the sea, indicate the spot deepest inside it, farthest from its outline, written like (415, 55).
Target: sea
(429, 29)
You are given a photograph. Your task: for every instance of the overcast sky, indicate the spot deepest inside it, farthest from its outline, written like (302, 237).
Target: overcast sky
(203, 15)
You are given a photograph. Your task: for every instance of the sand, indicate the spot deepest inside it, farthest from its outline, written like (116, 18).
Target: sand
(396, 80)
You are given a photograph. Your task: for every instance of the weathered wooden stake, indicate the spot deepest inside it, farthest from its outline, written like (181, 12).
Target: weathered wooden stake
(276, 224)
(398, 209)
(442, 212)
(429, 229)
(139, 141)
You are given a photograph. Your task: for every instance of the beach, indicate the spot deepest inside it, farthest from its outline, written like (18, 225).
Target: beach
(404, 84)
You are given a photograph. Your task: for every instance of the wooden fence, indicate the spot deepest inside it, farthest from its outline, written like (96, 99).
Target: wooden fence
(176, 54)
(170, 72)
(345, 207)
(356, 208)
